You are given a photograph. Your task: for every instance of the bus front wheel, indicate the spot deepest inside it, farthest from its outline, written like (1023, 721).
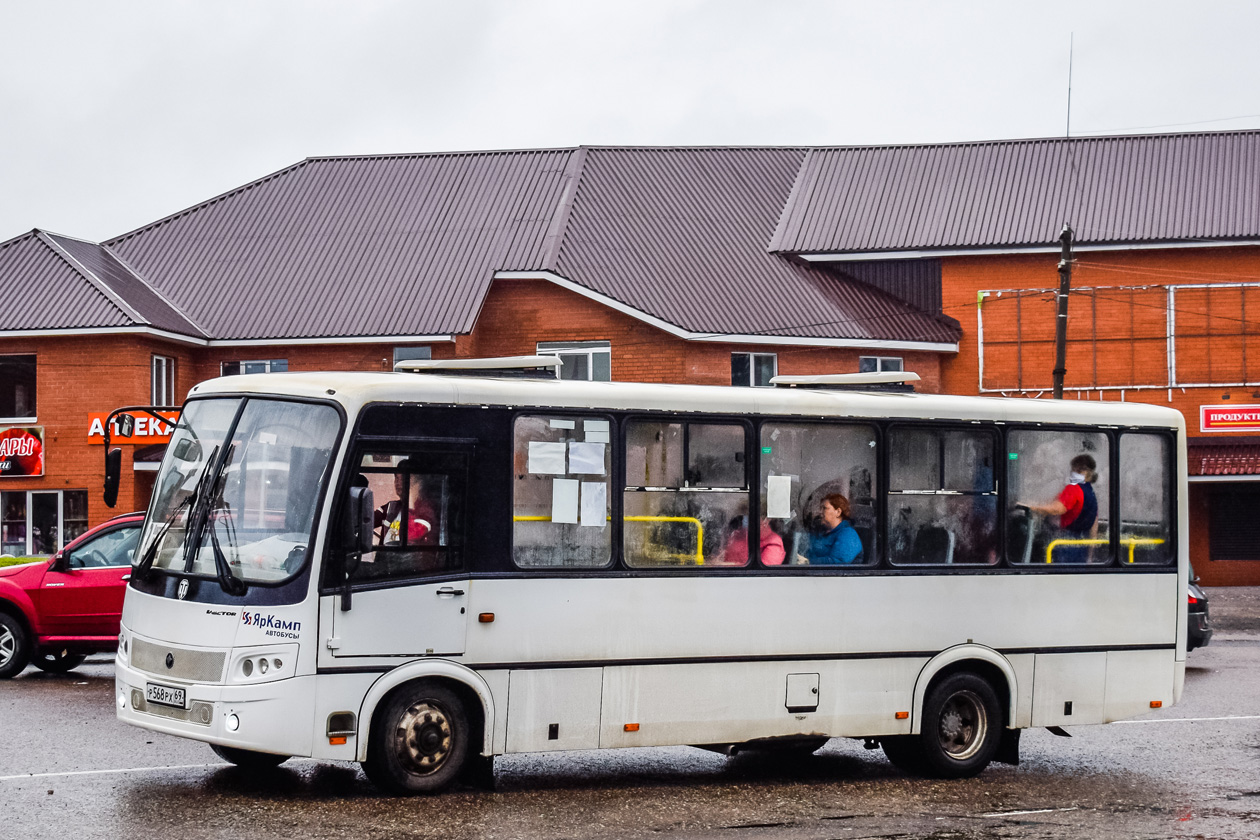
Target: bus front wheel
(419, 740)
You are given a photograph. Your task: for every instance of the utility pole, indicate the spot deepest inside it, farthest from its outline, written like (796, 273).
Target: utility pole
(1060, 324)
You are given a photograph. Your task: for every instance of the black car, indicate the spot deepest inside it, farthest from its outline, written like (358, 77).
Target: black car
(1200, 630)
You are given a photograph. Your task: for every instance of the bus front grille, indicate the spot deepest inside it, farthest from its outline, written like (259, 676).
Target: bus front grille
(184, 664)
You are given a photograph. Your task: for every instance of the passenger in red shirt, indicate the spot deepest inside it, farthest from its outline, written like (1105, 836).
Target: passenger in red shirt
(1077, 509)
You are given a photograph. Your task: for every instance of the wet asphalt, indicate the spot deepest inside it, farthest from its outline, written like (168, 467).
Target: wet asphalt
(68, 769)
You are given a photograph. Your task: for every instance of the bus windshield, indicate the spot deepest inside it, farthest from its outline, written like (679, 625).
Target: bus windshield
(236, 495)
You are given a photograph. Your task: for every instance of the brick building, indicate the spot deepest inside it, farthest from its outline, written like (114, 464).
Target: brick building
(701, 265)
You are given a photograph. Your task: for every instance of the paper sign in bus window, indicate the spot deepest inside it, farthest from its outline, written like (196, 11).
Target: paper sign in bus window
(594, 504)
(546, 457)
(779, 497)
(563, 424)
(586, 458)
(564, 500)
(596, 431)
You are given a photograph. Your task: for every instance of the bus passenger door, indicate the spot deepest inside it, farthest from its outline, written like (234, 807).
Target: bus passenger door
(408, 597)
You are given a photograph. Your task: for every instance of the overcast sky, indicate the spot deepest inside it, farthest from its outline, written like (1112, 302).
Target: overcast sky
(115, 114)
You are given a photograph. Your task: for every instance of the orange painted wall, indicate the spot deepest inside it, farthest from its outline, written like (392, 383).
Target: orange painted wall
(1138, 349)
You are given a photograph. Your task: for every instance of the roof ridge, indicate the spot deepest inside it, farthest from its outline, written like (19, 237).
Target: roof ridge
(200, 330)
(1011, 141)
(448, 153)
(100, 285)
(556, 231)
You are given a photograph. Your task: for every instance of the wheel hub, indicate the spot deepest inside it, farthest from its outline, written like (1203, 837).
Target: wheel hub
(8, 645)
(424, 737)
(962, 725)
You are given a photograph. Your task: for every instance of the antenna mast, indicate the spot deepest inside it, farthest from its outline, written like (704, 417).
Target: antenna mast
(1071, 39)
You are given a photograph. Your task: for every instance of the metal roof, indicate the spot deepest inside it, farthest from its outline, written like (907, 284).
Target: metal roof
(143, 303)
(400, 245)
(43, 290)
(408, 245)
(680, 233)
(1128, 189)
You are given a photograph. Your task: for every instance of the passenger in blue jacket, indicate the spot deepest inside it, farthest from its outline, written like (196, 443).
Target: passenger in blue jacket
(838, 543)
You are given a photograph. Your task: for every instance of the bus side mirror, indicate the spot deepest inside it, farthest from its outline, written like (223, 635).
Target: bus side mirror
(357, 530)
(358, 526)
(113, 474)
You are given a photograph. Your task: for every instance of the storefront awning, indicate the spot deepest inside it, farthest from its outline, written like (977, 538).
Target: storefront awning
(1224, 457)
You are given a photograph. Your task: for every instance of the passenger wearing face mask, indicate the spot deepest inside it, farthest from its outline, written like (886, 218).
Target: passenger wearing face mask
(1077, 509)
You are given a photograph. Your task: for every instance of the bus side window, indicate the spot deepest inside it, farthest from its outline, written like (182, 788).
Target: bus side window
(942, 497)
(1146, 500)
(802, 464)
(562, 466)
(1039, 473)
(686, 495)
(418, 522)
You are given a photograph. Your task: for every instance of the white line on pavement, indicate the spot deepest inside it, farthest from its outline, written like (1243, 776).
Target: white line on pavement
(68, 773)
(1025, 813)
(1191, 720)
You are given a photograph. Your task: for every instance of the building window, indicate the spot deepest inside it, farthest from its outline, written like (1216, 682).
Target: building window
(41, 522)
(408, 354)
(17, 387)
(755, 369)
(879, 364)
(582, 360)
(162, 384)
(254, 366)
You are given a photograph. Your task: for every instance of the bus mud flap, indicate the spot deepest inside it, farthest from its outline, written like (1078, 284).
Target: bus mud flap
(1008, 747)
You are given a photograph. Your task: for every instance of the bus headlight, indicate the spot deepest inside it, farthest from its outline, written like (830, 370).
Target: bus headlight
(264, 664)
(232, 723)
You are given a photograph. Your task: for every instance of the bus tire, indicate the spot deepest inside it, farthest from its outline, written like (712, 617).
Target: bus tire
(962, 726)
(419, 740)
(15, 646)
(249, 760)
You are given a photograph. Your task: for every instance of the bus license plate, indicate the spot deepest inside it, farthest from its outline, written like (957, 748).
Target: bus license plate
(165, 695)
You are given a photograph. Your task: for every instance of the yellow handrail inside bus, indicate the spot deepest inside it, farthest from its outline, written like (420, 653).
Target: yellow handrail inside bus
(1131, 542)
(699, 556)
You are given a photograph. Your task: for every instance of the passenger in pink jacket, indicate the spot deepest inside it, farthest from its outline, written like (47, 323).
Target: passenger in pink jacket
(736, 551)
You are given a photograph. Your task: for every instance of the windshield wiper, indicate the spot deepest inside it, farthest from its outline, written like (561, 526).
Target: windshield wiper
(229, 582)
(204, 515)
(145, 565)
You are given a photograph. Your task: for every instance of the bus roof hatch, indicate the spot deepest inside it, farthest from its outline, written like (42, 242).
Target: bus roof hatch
(533, 367)
(891, 380)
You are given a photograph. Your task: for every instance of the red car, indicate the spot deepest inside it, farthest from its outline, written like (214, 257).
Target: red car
(54, 613)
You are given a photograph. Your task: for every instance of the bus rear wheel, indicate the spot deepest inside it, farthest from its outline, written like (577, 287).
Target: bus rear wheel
(420, 740)
(962, 727)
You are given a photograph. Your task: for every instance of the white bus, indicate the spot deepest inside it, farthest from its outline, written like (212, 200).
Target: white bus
(421, 572)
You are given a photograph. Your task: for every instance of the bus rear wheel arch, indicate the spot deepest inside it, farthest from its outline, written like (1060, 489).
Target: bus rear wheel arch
(420, 739)
(960, 731)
